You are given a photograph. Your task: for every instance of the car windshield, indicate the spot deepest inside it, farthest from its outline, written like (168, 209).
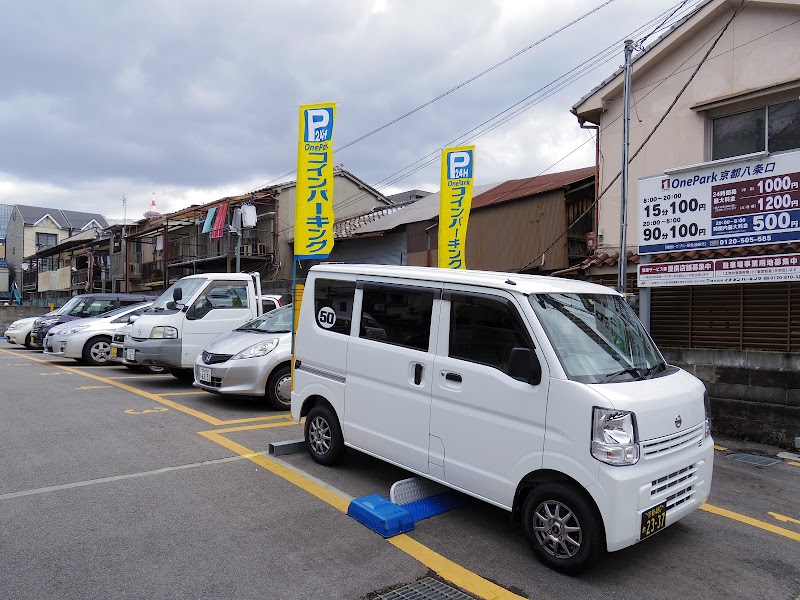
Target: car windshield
(597, 337)
(166, 301)
(276, 321)
(121, 310)
(70, 306)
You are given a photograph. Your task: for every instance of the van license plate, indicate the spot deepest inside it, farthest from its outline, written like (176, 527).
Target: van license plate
(205, 374)
(654, 520)
(130, 354)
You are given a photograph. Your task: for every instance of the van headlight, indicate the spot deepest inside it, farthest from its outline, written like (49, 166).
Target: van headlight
(164, 332)
(260, 349)
(615, 440)
(707, 409)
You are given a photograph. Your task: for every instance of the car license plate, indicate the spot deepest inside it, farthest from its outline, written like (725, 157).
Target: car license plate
(114, 352)
(205, 374)
(654, 520)
(130, 354)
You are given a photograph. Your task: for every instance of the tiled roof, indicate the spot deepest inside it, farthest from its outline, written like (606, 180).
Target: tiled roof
(521, 188)
(611, 258)
(66, 219)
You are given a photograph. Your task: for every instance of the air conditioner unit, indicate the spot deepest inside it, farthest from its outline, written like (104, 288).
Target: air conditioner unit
(262, 249)
(247, 249)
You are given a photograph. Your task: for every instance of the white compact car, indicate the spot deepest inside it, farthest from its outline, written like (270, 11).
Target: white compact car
(19, 332)
(252, 360)
(89, 340)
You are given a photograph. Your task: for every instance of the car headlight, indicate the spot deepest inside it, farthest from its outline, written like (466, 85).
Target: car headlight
(164, 332)
(707, 408)
(615, 439)
(260, 349)
(14, 326)
(71, 330)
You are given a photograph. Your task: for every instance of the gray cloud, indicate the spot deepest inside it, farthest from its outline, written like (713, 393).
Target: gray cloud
(103, 99)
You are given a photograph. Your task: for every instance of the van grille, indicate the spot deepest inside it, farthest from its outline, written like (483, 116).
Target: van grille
(680, 484)
(674, 442)
(213, 359)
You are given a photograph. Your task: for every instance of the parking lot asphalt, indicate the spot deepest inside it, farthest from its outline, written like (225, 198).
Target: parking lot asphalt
(115, 484)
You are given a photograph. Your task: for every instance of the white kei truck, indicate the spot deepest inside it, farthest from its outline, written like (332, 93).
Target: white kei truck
(173, 331)
(543, 396)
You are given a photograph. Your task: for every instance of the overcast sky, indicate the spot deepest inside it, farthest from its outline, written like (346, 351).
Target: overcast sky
(198, 100)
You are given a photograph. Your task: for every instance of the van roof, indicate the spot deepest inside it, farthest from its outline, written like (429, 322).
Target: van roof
(228, 276)
(514, 282)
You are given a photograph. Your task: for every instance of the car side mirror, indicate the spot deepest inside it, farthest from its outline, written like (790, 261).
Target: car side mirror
(177, 294)
(132, 318)
(523, 365)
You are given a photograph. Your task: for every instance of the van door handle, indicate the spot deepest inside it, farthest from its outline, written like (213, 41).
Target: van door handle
(418, 368)
(453, 377)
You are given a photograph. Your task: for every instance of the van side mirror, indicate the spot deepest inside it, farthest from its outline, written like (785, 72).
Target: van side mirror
(177, 294)
(524, 366)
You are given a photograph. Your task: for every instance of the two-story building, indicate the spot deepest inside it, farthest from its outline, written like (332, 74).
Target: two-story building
(716, 96)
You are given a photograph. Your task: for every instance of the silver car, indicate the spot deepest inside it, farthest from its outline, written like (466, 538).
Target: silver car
(89, 339)
(253, 360)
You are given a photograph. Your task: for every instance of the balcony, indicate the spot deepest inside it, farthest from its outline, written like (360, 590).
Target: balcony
(153, 271)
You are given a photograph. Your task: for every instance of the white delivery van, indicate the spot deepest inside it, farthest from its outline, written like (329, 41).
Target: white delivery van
(540, 395)
(188, 315)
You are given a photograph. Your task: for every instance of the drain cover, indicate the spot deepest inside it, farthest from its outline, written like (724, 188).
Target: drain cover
(752, 459)
(425, 589)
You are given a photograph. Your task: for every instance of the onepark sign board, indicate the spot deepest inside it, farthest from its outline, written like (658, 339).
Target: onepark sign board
(742, 203)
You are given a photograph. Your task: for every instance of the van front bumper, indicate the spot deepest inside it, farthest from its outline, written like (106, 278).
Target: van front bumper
(681, 479)
(160, 353)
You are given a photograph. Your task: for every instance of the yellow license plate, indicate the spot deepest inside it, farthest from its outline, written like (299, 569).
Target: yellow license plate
(654, 520)
(114, 352)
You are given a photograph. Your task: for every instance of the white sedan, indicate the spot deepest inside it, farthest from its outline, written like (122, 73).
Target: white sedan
(89, 340)
(19, 332)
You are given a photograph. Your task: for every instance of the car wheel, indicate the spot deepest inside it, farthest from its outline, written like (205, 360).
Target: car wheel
(324, 435)
(96, 351)
(562, 528)
(279, 388)
(183, 374)
(27, 342)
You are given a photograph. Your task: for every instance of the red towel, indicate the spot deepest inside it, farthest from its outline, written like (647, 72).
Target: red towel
(219, 223)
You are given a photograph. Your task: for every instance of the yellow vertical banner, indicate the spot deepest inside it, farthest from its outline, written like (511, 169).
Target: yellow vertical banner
(455, 200)
(313, 224)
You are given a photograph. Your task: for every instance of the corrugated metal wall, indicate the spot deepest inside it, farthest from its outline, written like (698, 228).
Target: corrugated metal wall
(759, 316)
(508, 236)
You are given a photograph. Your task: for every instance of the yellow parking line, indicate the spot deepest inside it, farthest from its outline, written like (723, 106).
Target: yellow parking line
(251, 427)
(447, 569)
(129, 388)
(783, 518)
(794, 464)
(792, 535)
(720, 448)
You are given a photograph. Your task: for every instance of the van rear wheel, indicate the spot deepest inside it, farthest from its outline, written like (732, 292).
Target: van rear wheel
(324, 436)
(562, 528)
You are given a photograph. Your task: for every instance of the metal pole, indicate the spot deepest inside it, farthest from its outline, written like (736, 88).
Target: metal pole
(623, 204)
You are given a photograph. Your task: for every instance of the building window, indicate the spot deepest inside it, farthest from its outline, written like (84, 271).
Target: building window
(46, 240)
(772, 128)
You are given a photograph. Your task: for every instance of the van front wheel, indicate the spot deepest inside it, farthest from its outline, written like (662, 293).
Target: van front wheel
(562, 528)
(324, 436)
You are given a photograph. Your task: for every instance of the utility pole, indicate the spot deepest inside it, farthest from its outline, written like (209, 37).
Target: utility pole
(125, 243)
(623, 204)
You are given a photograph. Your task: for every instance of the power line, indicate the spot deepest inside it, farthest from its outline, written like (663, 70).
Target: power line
(623, 251)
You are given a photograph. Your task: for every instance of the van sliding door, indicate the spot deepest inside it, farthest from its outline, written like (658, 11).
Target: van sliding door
(390, 370)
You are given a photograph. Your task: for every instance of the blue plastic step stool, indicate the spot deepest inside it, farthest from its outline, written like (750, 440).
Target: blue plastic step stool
(383, 517)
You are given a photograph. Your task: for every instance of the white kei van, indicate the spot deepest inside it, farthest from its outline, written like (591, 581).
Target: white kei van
(173, 331)
(543, 396)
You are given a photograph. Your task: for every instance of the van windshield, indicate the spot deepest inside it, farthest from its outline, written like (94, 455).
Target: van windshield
(166, 302)
(597, 337)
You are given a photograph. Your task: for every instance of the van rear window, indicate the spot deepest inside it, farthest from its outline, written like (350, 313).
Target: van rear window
(333, 304)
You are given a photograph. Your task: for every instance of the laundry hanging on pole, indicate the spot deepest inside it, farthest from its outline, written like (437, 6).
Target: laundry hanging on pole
(249, 216)
(219, 223)
(209, 223)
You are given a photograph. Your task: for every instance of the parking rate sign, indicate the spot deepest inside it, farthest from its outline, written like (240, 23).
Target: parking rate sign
(455, 200)
(313, 224)
(743, 203)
